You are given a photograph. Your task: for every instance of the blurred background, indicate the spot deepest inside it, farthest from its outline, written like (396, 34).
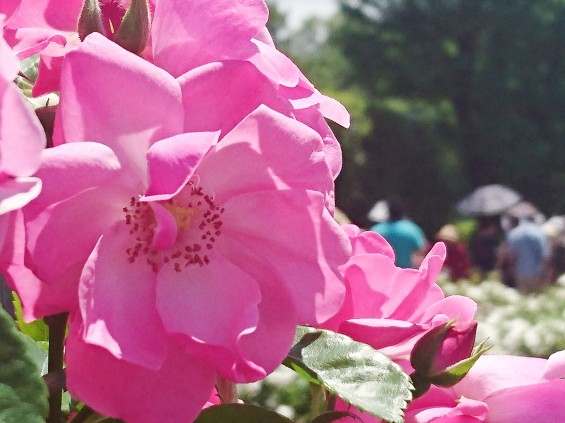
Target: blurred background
(444, 96)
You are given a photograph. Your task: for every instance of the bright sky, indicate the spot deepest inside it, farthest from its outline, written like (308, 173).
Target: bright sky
(298, 11)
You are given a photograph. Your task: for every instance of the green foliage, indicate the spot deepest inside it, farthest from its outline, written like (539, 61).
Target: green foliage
(281, 391)
(36, 330)
(276, 22)
(240, 413)
(465, 229)
(498, 64)
(23, 395)
(444, 96)
(352, 371)
(37, 351)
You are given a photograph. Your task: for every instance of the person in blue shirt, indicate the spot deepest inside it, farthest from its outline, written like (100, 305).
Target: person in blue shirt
(406, 238)
(526, 253)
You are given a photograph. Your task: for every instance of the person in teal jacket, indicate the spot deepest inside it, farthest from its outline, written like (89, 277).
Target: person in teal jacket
(406, 238)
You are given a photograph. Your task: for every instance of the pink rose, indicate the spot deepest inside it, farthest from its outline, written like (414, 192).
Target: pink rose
(8, 9)
(391, 308)
(388, 307)
(498, 389)
(187, 253)
(46, 27)
(21, 142)
(224, 34)
(49, 27)
(443, 405)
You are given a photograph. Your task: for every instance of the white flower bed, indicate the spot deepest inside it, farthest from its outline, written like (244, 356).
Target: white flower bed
(514, 323)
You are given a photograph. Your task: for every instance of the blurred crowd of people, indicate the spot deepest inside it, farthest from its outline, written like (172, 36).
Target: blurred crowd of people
(526, 251)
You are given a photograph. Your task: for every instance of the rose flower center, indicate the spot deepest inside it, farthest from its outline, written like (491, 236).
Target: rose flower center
(198, 221)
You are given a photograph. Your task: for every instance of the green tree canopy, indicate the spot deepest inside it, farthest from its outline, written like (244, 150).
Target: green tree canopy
(497, 68)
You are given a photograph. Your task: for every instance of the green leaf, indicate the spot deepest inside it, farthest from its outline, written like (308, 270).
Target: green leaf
(39, 353)
(36, 330)
(23, 395)
(332, 416)
(239, 413)
(353, 371)
(36, 352)
(66, 401)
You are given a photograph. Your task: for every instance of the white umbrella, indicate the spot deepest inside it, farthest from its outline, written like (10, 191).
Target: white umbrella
(488, 200)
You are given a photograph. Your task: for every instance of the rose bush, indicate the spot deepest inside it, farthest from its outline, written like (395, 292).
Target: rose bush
(181, 223)
(185, 228)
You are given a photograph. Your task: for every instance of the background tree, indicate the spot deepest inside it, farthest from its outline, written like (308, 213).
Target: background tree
(445, 95)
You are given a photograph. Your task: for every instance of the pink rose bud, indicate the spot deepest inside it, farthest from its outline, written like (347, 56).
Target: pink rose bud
(90, 19)
(134, 29)
(456, 345)
(444, 355)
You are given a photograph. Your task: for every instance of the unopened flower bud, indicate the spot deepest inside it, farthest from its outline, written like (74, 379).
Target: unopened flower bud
(444, 346)
(90, 19)
(134, 29)
(445, 354)
(46, 116)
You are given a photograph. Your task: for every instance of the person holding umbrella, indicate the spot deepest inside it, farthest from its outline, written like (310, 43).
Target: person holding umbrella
(524, 256)
(486, 204)
(484, 244)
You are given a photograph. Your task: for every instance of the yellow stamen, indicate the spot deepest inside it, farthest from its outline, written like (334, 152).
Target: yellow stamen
(183, 215)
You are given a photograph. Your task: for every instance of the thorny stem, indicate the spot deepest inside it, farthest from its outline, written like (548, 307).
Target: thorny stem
(57, 325)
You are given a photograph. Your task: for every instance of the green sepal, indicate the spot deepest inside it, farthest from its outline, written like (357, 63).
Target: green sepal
(135, 27)
(421, 384)
(90, 19)
(455, 373)
(423, 353)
